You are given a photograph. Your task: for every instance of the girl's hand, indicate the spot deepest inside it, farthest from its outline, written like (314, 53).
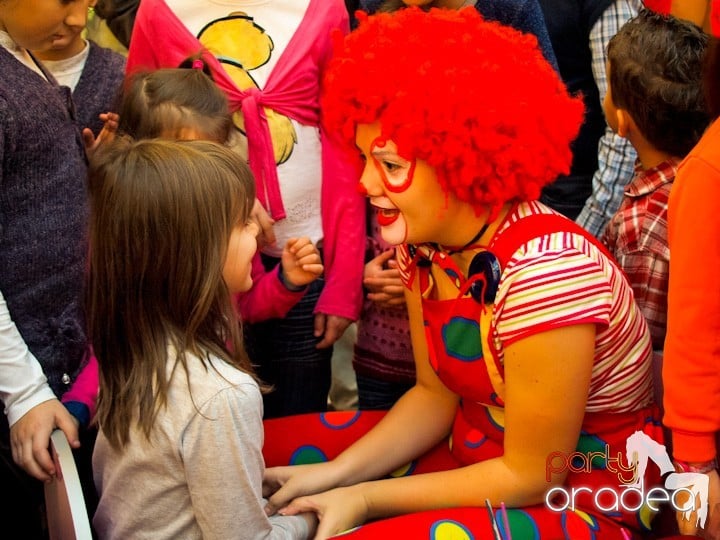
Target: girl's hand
(30, 437)
(384, 284)
(106, 135)
(282, 484)
(301, 263)
(338, 510)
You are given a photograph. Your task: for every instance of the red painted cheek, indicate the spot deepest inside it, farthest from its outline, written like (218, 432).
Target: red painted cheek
(361, 189)
(393, 188)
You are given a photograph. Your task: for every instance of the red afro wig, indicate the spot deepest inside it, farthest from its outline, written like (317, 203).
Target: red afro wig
(474, 99)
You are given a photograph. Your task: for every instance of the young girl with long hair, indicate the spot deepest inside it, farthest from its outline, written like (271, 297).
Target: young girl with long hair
(178, 453)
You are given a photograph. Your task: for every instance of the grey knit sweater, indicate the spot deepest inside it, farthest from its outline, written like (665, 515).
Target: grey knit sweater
(43, 215)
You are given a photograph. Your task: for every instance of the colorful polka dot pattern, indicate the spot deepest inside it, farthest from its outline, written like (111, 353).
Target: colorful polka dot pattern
(462, 339)
(314, 438)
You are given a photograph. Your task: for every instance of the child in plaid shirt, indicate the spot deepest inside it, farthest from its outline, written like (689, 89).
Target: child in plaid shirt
(655, 101)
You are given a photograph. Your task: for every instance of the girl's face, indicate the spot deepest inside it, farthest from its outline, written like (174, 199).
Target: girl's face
(412, 207)
(42, 25)
(241, 250)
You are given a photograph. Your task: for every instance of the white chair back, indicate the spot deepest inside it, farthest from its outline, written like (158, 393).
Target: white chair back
(65, 505)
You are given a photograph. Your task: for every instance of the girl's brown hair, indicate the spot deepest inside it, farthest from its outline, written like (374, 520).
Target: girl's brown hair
(165, 102)
(162, 213)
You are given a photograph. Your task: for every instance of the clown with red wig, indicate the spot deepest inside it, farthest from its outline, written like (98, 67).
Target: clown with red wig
(533, 360)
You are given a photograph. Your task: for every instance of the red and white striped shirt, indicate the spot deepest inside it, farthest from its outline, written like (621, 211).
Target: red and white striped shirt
(562, 279)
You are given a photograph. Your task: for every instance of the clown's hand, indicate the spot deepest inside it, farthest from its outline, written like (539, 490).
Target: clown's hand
(338, 510)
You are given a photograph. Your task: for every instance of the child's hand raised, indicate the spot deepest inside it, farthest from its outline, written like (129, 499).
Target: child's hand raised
(106, 135)
(301, 263)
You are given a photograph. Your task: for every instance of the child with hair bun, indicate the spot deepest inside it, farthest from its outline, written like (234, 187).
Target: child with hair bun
(269, 57)
(184, 104)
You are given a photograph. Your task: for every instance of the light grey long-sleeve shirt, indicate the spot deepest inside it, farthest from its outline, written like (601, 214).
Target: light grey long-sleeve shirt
(201, 474)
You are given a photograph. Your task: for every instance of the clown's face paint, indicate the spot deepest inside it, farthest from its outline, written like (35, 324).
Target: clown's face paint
(406, 194)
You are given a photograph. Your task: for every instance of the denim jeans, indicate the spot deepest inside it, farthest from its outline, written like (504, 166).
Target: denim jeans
(378, 394)
(285, 356)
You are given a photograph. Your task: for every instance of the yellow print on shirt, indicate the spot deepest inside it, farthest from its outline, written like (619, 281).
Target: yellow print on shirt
(242, 46)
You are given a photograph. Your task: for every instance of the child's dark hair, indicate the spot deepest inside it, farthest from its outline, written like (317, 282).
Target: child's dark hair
(170, 101)
(162, 213)
(655, 64)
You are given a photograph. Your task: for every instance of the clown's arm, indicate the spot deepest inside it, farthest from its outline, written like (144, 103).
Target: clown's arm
(381, 450)
(537, 424)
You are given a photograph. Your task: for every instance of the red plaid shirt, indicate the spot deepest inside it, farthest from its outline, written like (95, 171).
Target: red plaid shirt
(637, 237)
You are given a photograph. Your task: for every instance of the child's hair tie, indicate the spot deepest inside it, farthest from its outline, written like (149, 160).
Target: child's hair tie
(198, 64)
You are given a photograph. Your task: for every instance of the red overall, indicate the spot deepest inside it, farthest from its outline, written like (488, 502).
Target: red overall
(465, 360)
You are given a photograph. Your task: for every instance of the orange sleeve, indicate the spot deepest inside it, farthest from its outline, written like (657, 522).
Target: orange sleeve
(691, 369)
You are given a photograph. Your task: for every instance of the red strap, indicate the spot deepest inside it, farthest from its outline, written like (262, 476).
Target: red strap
(534, 226)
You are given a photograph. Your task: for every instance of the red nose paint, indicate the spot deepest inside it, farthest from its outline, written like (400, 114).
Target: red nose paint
(361, 189)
